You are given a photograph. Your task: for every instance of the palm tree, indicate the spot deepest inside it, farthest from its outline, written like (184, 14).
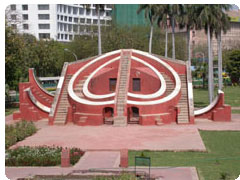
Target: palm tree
(208, 19)
(222, 26)
(98, 8)
(150, 12)
(163, 22)
(188, 20)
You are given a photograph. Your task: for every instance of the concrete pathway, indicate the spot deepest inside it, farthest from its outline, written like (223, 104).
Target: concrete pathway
(162, 173)
(99, 159)
(133, 137)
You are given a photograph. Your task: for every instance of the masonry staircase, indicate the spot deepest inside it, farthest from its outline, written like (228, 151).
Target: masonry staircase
(123, 80)
(79, 87)
(61, 114)
(41, 97)
(183, 116)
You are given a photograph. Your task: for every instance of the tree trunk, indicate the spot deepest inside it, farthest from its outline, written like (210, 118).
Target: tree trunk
(189, 46)
(150, 39)
(173, 38)
(220, 82)
(210, 67)
(99, 35)
(166, 43)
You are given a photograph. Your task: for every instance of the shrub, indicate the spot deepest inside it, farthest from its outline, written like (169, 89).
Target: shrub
(39, 156)
(18, 132)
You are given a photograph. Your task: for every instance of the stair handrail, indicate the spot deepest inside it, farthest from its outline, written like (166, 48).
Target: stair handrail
(58, 90)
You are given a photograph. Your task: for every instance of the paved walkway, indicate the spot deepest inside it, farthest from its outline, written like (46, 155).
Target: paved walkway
(99, 159)
(162, 173)
(105, 137)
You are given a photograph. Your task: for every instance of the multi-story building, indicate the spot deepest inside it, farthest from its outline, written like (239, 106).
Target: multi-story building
(56, 21)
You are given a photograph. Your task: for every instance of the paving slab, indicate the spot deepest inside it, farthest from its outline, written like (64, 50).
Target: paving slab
(161, 173)
(133, 137)
(99, 159)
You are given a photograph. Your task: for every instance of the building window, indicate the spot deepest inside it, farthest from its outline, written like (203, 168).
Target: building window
(25, 16)
(61, 18)
(94, 13)
(24, 7)
(14, 17)
(61, 26)
(44, 35)
(64, 9)
(66, 36)
(81, 11)
(108, 6)
(58, 36)
(82, 29)
(108, 13)
(88, 12)
(70, 19)
(75, 20)
(102, 22)
(13, 7)
(75, 28)
(95, 21)
(70, 37)
(69, 27)
(88, 21)
(101, 13)
(82, 20)
(57, 17)
(69, 9)
(136, 84)
(43, 7)
(25, 26)
(65, 27)
(108, 22)
(44, 26)
(14, 26)
(44, 16)
(75, 10)
(112, 84)
(61, 36)
(65, 18)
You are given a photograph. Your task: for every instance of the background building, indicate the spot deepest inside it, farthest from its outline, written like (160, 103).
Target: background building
(56, 21)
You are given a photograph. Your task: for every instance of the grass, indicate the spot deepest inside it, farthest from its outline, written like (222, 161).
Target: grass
(231, 96)
(10, 110)
(235, 111)
(221, 159)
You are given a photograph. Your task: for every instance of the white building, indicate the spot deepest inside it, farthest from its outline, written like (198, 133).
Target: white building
(56, 21)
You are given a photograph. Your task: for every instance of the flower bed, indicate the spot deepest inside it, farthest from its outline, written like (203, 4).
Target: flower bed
(18, 132)
(39, 156)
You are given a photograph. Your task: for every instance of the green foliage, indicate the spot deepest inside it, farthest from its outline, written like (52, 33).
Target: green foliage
(39, 156)
(23, 51)
(232, 59)
(118, 37)
(18, 132)
(123, 176)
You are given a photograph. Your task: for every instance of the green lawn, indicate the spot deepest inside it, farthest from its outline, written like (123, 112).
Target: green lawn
(231, 96)
(223, 156)
(9, 111)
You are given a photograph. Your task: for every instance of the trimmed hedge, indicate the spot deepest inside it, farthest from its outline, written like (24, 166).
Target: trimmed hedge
(39, 156)
(18, 132)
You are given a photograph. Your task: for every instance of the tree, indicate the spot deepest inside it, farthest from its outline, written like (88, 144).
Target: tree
(99, 8)
(207, 19)
(233, 65)
(188, 20)
(150, 12)
(222, 25)
(163, 22)
(174, 11)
